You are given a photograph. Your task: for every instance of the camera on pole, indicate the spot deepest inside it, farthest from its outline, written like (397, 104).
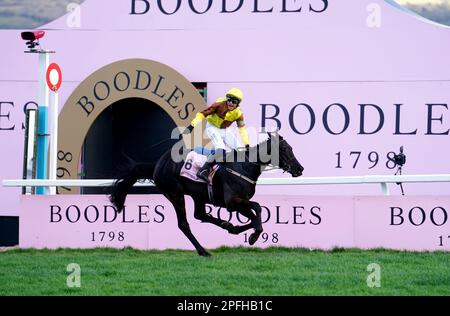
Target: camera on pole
(399, 160)
(32, 39)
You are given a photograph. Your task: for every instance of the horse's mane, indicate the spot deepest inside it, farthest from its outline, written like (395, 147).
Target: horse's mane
(237, 152)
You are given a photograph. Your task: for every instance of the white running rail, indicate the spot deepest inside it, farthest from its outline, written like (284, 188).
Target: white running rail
(380, 179)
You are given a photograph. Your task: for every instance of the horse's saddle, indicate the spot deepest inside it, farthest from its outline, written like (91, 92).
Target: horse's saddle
(193, 162)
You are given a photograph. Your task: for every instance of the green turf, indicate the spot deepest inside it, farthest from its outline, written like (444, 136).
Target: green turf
(230, 271)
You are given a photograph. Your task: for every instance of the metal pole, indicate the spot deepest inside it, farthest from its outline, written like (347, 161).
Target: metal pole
(53, 139)
(385, 188)
(42, 137)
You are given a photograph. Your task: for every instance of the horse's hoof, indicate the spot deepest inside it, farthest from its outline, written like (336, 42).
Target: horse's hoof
(253, 238)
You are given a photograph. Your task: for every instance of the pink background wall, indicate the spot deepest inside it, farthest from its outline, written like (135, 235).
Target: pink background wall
(276, 58)
(325, 222)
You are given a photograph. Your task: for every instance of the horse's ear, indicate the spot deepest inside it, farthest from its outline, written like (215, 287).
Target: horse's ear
(274, 135)
(277, 135)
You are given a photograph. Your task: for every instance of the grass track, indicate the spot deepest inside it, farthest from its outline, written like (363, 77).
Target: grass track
(231, 271)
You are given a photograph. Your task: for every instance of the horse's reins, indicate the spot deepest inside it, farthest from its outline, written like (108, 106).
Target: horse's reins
(273, 167)
(237, 174)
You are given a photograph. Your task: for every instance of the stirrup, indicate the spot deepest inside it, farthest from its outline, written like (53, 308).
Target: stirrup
(203, 173)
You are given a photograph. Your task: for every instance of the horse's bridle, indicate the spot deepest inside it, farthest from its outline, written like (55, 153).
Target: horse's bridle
(286, 168)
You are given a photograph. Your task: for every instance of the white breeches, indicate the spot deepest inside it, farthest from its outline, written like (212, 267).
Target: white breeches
(223, 137)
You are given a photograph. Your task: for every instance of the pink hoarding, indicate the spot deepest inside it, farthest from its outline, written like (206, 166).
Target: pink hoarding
(347, 82)
(412, 223)
(149, 222)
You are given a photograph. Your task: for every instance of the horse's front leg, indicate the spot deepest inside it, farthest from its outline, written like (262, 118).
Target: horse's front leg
(201, 215)
(236, 230)
(245, 207)
(258, 222)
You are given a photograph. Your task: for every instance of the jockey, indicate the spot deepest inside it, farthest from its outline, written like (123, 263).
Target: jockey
(219, 117)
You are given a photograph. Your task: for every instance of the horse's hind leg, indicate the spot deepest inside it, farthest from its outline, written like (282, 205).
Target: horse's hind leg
(180, 209)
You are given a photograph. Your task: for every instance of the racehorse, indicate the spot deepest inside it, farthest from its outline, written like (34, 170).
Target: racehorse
(234, 185)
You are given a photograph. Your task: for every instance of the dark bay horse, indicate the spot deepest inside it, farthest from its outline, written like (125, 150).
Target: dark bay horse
(234, 185)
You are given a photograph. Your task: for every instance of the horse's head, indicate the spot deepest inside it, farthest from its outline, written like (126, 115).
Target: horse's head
(286, 159)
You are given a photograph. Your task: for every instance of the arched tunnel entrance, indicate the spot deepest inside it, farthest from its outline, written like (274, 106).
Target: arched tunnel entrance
(130, 127)
(123, 108)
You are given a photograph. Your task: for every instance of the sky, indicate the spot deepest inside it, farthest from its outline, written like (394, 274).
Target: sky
(434, 10)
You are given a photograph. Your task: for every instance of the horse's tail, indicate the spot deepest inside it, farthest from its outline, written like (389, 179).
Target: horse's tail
(123, 184)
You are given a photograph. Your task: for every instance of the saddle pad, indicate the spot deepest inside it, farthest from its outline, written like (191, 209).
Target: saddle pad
(193, 163)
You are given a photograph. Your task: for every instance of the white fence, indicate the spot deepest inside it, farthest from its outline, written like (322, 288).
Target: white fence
(372, 179)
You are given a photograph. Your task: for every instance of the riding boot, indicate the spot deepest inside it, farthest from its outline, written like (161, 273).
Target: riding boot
(204, 171)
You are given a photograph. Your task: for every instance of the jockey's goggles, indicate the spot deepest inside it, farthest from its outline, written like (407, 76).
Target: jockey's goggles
(233, 100)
